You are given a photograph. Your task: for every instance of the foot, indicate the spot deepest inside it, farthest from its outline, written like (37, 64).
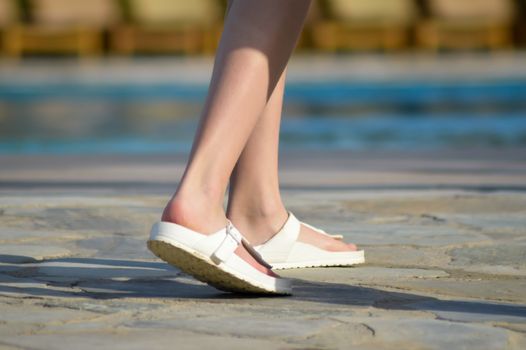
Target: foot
(259, 228)
(310, 236)
(200, 217)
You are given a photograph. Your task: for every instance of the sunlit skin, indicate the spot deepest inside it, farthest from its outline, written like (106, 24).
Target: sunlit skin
(237, 138)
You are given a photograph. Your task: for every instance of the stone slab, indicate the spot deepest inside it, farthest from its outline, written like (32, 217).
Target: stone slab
(27, 253)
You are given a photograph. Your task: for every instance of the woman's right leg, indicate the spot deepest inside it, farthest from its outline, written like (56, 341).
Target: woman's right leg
(254, 203)
(257, 42)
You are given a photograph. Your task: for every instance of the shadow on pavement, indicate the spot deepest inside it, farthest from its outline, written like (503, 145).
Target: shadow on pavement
(110, 279)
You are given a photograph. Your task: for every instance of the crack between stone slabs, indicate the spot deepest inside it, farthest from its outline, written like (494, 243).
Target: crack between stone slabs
(11, 302)
(21, 297)
(74, 305)
(341, 322)
(97, 295)
(432, 217)
(440, 318)
(70, 307)
(41, 328)
(49, 283)
(371, 329)
(490, 323)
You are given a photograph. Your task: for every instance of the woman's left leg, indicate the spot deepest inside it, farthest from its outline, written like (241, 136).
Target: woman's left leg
(254, 204)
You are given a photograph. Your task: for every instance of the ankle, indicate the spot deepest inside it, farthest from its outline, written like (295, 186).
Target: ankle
(258, 223)
(256, 211)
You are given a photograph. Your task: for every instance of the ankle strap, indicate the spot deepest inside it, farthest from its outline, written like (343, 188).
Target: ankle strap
(233, 238)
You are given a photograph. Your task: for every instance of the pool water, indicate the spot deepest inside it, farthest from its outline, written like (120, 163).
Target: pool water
(407, 116)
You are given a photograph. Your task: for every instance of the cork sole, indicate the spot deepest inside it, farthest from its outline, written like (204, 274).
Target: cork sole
(360, 259)
(205, 270)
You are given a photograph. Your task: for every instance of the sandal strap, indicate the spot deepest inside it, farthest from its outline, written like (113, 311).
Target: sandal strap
(280, 245)
(233, 238)
(255, 254)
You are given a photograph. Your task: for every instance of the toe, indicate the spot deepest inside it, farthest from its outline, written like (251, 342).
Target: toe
(352, 246)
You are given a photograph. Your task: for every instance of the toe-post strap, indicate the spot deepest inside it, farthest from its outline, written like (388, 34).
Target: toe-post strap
(280, 245)
(233, 238)
(255, 254)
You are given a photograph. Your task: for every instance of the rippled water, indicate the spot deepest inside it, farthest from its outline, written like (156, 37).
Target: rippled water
(330, 115)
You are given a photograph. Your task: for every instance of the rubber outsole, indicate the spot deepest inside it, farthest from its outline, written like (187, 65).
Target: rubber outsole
(205, 270)
(312, 264)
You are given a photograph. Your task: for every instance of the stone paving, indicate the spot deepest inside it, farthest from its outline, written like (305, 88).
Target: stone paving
(446, 266)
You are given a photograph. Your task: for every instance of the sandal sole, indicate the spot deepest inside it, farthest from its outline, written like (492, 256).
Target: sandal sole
(204, 270)
(347, 262)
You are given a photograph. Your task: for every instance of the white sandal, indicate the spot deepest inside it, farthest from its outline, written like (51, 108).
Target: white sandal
(284, 251)
(211, 258)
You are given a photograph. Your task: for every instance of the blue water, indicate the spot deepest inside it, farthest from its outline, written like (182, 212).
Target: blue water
(410, 116)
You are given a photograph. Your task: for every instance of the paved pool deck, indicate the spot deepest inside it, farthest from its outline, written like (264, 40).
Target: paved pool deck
(444, 234)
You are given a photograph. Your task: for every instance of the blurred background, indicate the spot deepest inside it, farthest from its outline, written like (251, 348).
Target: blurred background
(129, 76)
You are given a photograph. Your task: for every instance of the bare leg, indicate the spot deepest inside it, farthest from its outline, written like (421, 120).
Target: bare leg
(257, 42)
(255, 204)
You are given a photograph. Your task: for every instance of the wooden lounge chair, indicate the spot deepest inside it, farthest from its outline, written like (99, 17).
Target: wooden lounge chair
(8, 17)
(365, 24)
(521, 23)
(315, 15)
(8, 12)
(63, 26)
(163, 26)
(467, 24)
